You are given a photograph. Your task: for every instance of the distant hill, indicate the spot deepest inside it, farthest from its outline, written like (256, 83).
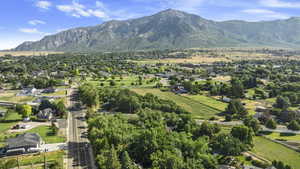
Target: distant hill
(171, 29)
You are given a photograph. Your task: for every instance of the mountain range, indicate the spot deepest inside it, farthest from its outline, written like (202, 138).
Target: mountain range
(171, 29)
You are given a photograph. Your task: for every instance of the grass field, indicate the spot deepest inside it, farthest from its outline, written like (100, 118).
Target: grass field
(274, 151)
(27, 160)
(10, 96)
(282, 136)
(209, 101)
(199, 110)
(46, 134)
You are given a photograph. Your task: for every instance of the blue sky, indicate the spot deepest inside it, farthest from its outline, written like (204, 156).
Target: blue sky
(27, 20)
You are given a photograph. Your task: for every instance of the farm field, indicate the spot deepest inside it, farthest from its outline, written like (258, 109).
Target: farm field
(274, 151)
(199, 110)
(27, 53)
(209, 101)
(125, 81)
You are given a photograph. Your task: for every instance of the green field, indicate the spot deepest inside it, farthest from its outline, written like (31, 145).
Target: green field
(282, 136)
(46, 134)
(274, 151)
(209, 101)
(198, 109)
(9, 121)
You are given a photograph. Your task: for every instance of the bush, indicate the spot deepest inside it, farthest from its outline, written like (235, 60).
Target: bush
(260, 164)
(248, 158)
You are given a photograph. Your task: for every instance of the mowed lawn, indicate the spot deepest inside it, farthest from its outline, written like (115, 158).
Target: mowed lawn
(274, 151)
(46, 133)
(198, 109)
(9, 121)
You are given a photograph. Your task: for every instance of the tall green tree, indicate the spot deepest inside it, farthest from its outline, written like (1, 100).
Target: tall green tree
(237, 88)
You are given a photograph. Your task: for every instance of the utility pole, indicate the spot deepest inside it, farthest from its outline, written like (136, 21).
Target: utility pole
(18, 162)
(45, 163)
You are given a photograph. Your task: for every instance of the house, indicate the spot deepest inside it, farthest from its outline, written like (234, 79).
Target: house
(45, 114)
(23, 143)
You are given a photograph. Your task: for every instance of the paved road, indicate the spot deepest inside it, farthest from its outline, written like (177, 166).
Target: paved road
(80, 154)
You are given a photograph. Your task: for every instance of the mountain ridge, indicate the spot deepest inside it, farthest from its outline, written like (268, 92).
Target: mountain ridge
(170, 29)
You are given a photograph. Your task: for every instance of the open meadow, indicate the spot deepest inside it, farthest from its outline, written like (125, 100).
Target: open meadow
(201, 107)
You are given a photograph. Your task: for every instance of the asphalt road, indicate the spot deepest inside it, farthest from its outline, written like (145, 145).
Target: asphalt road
(80, 154)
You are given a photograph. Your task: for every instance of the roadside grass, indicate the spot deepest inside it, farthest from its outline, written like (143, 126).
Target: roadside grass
(274, 151)
(282, 136)
(10, 96)
(198, 109)
(46, 133)
(27, 160)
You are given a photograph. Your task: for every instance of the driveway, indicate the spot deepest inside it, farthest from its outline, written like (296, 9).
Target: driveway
(54, 147)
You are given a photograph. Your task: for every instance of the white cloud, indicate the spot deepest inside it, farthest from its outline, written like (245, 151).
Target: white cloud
(99, 4)
(279, 4)
(36, 22)
(78, 10)
(30, 30)
(266, 13)
(43, 4)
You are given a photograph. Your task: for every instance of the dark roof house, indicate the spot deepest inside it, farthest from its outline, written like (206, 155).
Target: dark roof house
(24, 141)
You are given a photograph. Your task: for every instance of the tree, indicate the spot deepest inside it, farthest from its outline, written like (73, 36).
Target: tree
(243, 133)
(271, 124)
(252, 123)
(294, 125)
(207, 129)
(167, 160)
(45, 104)
(126, 161)
(113, 161)
(25, 110)
(227, 145)
(237, 88)
(61, 108)
(282, 102)
(236, 107)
